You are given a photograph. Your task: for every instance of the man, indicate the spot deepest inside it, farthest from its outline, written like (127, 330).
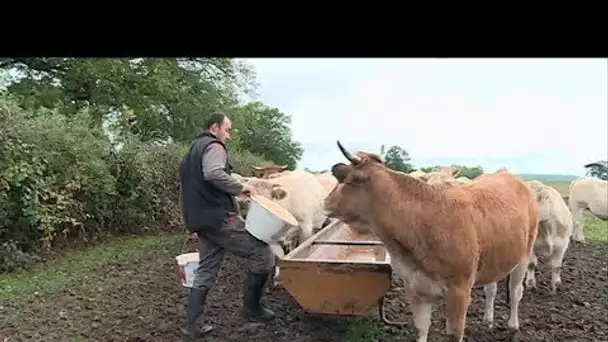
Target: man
(209, 209)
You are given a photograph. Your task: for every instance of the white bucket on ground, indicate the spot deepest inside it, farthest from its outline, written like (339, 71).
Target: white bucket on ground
(187, 265)
(268, 221)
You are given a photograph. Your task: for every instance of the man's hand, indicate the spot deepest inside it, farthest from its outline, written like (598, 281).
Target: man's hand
(248, 190)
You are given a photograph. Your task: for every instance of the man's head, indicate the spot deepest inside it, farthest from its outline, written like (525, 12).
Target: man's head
(220, 125)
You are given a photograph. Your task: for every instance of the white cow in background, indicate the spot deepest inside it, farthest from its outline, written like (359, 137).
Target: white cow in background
(587, 193)
(554, 231)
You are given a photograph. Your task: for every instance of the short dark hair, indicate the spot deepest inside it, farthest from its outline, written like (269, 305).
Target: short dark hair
(216, 117)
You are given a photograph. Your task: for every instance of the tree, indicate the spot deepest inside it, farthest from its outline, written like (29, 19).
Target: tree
(155, 98)
(264, 130)
(598, 169)
(397, 159)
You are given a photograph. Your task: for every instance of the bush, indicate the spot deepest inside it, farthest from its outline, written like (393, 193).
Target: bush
(148, 186)
(61, 181)
(54, 177)
(12, 258)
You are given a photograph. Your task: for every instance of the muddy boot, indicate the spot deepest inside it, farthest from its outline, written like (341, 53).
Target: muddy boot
(195, 308)
(254, 286)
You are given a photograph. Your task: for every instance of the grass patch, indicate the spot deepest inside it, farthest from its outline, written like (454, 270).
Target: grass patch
(562, 188)
(595, 229)
(76, 266)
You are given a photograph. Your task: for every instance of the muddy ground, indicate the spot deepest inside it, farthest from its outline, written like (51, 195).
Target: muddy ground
(143, 302)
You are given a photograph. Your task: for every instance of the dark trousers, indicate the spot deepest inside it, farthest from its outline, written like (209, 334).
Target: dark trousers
(230, 237)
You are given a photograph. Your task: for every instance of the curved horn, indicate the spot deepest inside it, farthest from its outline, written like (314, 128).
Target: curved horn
(347, 154)
(256, 167)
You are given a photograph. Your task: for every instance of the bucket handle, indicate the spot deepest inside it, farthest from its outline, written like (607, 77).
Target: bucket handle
(188, 238)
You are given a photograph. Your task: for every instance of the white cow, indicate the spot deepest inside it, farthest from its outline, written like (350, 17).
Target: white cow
(300, 193)
(587, 193)
(445, 175)
(554, 231)
(417, 174)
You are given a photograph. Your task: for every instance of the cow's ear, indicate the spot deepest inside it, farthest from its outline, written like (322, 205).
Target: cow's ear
(340, 171)
(278, 193)
(358, 177)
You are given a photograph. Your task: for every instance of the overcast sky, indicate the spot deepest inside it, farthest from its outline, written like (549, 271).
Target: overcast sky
(530, 115)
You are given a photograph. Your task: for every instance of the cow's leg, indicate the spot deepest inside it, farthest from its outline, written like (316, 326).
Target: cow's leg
(578, 220)
(421, 312)
(516, 290)
(490, 292)
(555, 262)
(457, 298)
(530, 270)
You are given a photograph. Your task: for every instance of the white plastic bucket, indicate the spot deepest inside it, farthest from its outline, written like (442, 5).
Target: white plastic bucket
(266, 219)
(187, 265)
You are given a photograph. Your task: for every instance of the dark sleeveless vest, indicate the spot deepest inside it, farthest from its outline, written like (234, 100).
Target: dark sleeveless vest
(204, 205)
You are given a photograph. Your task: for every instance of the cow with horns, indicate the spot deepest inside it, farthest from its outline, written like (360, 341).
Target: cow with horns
(442, 239)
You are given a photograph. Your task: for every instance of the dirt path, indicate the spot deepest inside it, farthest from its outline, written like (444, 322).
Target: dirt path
(142, 301)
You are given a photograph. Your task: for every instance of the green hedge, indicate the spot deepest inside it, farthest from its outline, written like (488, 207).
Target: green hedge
(62, 182)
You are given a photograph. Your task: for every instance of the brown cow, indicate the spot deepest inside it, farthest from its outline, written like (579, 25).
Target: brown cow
(442, 239)
(265, 171)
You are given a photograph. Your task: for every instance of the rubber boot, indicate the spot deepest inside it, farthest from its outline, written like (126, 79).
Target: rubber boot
(254, 286)
(195, 308)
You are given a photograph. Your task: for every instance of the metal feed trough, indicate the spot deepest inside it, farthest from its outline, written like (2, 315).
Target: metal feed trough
(338, 271)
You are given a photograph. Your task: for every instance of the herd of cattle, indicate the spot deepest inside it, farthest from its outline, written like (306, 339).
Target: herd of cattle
(444, 233)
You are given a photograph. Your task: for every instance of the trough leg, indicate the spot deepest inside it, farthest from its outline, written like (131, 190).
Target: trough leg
(383, 317)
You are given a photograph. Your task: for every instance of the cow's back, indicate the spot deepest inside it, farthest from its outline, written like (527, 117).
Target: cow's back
(589, 190)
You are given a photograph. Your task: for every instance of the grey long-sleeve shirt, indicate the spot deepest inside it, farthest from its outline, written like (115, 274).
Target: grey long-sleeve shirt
(214, 161)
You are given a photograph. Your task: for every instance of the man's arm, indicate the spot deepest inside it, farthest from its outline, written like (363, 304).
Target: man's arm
(214, 162)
